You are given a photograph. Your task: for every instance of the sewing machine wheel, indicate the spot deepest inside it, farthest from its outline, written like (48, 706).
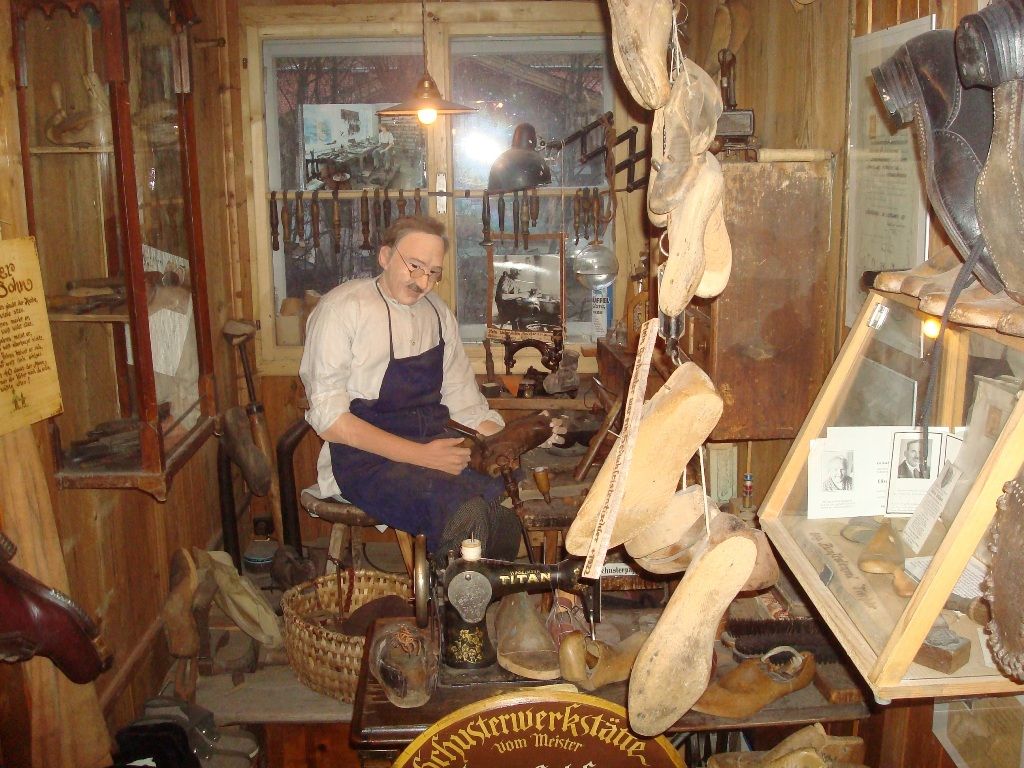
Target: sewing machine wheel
(421, 582)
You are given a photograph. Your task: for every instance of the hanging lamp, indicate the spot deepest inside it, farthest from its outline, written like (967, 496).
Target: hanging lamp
(426, 102)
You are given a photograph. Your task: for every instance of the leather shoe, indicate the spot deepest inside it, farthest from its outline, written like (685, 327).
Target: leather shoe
(36, 620)
(524, 646)
(952, 125)
(989, 54)
(492, 454)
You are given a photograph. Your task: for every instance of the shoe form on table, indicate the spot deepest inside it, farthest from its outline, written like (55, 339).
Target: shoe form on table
(682, 414)
(524, 645)
(989, 54)
(943, 260)
(641, 31)
(884, 554)
(952, 126)
(593, 664)
(673, 667)
(756, 683)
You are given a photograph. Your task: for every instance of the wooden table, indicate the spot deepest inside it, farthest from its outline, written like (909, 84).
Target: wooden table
(380, 730)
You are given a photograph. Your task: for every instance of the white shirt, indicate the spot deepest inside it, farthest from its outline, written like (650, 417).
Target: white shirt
(347, 353)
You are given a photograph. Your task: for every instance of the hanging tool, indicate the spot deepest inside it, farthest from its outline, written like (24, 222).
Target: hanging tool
(314, 224)
(286, 218)
(577, 205)
(595, 198)
(364, 221)
(275, 240)
(417, 209)
(238, 333)
(585, 211)
(534, 207)
(524, 225)
(300, 219)
(376, 216)
(387, 209)
(402, 203)
(501, 214)
(515, 220)
(485, 216)
(336, 222)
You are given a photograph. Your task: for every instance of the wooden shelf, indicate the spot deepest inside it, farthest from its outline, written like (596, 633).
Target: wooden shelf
(104, 149)
(118, 314)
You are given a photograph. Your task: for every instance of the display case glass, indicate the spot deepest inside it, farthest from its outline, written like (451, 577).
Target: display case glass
(885, 525)
(110, 176)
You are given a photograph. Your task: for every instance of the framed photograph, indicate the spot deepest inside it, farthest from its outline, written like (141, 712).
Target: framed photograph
(831, 479)
(912, 470)
(886, 204)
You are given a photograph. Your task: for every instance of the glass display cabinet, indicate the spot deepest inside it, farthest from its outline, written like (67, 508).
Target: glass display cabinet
(887, 530)
(107, 133)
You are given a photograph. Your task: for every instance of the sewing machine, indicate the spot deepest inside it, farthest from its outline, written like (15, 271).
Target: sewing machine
(471, 583)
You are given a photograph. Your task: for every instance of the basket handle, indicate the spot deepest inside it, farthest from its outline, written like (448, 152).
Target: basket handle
(351, 571)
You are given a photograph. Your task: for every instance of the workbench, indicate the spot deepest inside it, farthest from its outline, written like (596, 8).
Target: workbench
(380, 731)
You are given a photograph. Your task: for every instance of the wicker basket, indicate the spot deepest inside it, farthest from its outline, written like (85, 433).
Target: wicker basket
(325, 660)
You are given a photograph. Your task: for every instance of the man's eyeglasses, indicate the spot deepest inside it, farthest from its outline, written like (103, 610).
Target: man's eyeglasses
(417, 270)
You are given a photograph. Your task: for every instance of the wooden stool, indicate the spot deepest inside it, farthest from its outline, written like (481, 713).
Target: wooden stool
(347, 521)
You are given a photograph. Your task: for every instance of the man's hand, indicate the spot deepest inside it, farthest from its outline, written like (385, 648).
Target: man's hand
(447, 454)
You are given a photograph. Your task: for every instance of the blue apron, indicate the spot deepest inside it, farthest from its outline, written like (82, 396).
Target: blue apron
(405, 496)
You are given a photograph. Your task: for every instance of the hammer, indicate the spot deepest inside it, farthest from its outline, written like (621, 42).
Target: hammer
(238, 333)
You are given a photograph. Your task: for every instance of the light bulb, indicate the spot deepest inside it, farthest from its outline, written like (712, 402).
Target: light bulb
(595, 266)
(427, 116)
(930, 328)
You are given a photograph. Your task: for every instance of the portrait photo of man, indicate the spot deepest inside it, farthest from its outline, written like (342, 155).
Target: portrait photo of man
(837, 474)
(911, 465)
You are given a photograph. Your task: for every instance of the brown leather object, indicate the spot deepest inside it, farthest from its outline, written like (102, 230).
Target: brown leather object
(37, 620)
(493, 454)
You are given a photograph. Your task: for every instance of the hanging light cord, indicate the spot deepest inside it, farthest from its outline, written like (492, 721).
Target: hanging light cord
(423, 35)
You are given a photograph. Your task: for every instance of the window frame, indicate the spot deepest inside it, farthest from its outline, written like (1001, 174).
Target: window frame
(351, 22)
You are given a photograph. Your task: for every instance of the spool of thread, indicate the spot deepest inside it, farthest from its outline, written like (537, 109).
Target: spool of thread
(471, 549)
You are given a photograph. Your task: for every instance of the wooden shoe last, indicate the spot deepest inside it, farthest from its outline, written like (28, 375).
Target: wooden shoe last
(673, 667)
(754, 684)
(681, 414)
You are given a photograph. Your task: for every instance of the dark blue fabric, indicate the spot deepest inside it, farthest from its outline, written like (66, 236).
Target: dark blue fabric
(411, 498)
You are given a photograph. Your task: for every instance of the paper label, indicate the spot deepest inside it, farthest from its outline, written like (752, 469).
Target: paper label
(29, 390)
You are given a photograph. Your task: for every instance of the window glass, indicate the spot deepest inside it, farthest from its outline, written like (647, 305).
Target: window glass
(326, 142)
(557, 85)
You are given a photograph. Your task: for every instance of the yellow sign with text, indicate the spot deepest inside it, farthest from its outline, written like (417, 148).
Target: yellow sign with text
(29, 390)
(534, 729)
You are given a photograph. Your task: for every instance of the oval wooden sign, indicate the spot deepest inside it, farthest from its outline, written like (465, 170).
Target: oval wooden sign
(546, 729)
